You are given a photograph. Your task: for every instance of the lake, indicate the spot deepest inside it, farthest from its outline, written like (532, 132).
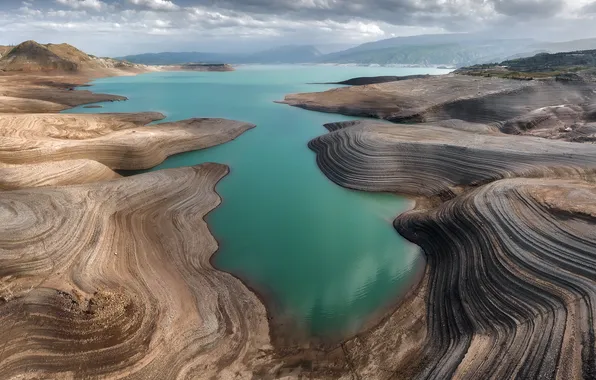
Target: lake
(325, 259)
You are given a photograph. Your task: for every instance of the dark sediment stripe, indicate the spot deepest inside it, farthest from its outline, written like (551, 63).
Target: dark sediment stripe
(505, 266)
(512, 262)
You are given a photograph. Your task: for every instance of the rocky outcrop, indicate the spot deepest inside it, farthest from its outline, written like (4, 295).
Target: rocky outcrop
(199, 67)
(361, 81)
(549, 108)
(113, 279)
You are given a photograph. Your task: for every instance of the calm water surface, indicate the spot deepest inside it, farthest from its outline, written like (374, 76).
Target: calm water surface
(325, 257)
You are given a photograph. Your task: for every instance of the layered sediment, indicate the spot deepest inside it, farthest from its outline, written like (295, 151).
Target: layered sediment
(513, 273)
(53, 173)
(432, 160)
(507, 226)
(543, 108)
(113, 279)
(119, 141)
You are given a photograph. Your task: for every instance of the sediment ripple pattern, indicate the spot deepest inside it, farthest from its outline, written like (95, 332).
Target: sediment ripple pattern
(430, 160)
(119, 141)
(113, 280)
(53, 173)
(512, 281)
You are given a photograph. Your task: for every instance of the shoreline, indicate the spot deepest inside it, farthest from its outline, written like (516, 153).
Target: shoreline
(309, 347)
(484, 255)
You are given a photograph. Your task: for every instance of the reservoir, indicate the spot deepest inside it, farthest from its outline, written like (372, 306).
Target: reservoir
(324, 259)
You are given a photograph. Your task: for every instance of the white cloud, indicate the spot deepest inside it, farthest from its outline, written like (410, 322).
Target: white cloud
(156, 5)
(96, 5)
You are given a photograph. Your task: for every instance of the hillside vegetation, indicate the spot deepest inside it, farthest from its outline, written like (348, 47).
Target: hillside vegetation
(563, 66)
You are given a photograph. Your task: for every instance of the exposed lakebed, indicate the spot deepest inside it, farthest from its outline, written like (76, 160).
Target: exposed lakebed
(325, 258)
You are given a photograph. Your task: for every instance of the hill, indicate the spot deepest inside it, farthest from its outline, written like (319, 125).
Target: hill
(31, 56)
(4, 50)
(575, 65)
(431, 50)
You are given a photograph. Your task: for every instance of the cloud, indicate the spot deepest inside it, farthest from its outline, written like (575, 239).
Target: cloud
(589, 8)
(236, 25)
(96, 5)
(531, 8)
(156, 5)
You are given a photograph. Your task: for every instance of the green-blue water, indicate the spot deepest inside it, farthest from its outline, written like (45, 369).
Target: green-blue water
(326, 258)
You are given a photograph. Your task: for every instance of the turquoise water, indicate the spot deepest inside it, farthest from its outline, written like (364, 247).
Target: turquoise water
(325, 258)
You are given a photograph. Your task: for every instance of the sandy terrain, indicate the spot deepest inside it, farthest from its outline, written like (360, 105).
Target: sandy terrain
(119, 141)
(109, 277)
(113, 279)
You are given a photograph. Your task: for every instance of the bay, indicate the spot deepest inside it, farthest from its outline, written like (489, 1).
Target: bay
(325, 259)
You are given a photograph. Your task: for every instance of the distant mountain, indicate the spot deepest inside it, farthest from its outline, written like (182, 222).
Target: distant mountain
(285, 54)
(179, 58)
(455, 49)
(282, 54)
(441, 49)
(559, 47)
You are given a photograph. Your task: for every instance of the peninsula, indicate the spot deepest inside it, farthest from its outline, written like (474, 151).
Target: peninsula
(503, 172)
(103, 275)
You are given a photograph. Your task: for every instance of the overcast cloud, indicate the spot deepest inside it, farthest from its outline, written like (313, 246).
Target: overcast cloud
(120, 27)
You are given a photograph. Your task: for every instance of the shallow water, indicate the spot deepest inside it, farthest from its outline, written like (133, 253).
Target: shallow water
(326, 258)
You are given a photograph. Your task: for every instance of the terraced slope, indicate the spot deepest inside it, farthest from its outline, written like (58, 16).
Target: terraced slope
(511, 277)
(545, 108)
(115, 141)
(113, 279)
(513, 274)
(430, 160)
(53, 173)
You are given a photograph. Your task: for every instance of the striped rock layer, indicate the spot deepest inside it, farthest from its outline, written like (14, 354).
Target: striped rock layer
(544, 108)
(510, 238)
(113, 279)
(57, 149)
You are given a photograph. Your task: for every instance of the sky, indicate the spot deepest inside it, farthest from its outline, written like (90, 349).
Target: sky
(122, 27)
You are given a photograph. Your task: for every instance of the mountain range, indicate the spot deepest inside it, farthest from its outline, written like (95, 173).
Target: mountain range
(424, 50)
